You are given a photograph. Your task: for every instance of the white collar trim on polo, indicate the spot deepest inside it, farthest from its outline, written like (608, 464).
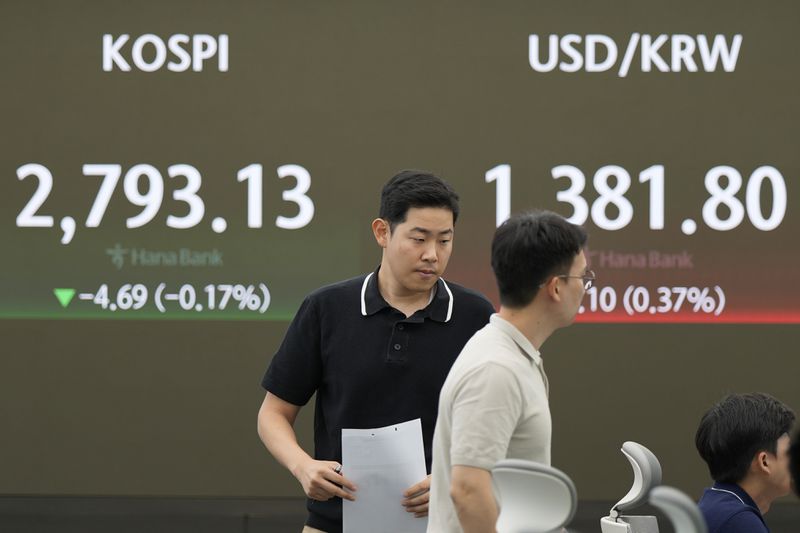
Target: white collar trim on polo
(363, 292)
(444, 284)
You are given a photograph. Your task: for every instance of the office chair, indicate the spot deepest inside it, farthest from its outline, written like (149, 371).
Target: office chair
(533, 497)
(646, 475)
(679, 508)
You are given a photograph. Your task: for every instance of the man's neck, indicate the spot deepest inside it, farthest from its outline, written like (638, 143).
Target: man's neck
(760, 495)
(531, 322)
(407, 302)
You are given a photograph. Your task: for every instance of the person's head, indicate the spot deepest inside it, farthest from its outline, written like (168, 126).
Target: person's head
(415, 188)
(415, 228)
(745, 437)
(540, 251)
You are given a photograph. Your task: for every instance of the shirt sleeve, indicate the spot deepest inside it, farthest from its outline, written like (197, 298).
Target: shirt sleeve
(296, 369)
(486, 410)
(744, 522)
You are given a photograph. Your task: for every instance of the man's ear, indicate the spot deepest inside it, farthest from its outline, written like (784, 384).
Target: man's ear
(761, 462)
(553, 288)
(381, 231)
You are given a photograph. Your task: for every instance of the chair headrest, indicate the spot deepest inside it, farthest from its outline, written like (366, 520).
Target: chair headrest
(646, 475)
(679, 508)
(536, 496)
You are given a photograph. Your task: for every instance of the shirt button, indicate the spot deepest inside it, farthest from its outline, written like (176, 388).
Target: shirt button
(397, 346)
(400, 327)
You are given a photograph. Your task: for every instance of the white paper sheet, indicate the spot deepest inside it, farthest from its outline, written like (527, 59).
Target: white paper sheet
(383, 463)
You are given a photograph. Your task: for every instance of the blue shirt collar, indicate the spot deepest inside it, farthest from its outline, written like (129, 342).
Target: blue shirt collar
(738, 491)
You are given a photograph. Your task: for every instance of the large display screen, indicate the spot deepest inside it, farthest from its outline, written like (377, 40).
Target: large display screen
(176, 176)
(224, 170)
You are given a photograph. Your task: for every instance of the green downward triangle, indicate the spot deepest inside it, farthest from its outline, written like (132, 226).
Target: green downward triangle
(64, 296)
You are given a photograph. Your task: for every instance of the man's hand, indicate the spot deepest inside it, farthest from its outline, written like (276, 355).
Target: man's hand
(321, 481)
(417, 498)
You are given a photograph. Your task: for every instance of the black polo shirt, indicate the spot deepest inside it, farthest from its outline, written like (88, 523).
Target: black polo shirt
(370, 365)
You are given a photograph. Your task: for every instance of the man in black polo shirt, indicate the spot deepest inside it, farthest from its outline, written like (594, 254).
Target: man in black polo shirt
(375, 349)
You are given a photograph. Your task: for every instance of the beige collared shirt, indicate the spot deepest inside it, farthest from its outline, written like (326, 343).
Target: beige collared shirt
(493, 406)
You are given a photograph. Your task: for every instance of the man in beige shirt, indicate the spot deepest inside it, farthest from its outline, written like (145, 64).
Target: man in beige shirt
(494, 403)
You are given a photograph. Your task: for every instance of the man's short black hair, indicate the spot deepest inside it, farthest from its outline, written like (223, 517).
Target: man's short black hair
(733, 431)
(794, 462)
(530, 247)
(415, 188)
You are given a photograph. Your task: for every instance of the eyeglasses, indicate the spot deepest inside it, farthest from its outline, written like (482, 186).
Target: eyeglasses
(588, 278)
